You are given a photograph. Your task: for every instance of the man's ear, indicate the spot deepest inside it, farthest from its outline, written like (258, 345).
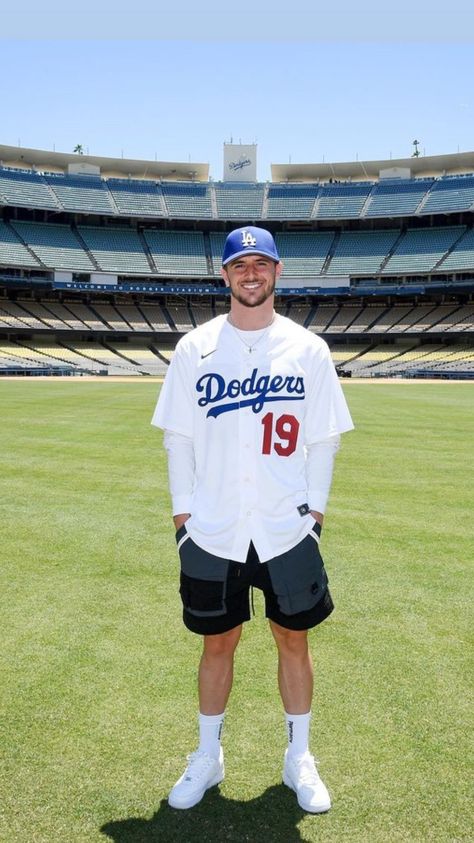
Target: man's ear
(224, 275)
(279, 269)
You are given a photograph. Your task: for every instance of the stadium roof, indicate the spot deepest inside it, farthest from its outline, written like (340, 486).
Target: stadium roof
(423, 166)
(47, 161)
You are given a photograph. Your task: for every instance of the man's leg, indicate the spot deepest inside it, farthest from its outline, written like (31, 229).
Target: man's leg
(206, 765)
(216, 670)
(295, 668)
(295, 680)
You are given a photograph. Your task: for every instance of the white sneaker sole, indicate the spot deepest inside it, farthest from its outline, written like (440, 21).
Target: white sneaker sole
(322, 808)
(192, 800)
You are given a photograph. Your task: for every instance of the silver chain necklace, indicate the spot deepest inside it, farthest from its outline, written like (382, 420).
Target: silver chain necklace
(261, 334)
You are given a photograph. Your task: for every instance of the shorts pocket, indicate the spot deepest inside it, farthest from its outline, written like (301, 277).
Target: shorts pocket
(298, 577)
(203, 579)
(203, 598)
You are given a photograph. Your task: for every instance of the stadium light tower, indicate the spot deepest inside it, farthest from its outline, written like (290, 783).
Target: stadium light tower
(416, 153)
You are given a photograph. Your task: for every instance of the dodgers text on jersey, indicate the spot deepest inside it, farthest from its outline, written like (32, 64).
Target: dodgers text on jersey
(254, 391)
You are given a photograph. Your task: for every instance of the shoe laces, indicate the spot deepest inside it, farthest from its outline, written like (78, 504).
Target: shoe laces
(198, 765)
(307, 772)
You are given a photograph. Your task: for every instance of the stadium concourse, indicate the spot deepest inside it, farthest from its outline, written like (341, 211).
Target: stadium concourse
(105, 263)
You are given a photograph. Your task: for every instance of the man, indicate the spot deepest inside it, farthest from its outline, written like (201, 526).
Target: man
(252, 411)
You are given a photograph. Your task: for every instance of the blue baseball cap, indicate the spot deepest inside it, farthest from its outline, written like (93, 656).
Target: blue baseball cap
(249, 240)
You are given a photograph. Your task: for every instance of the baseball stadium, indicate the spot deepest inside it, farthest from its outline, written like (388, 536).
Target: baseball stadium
(105, 263)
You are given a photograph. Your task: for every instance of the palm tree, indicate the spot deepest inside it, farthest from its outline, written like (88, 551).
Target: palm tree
(79, 149)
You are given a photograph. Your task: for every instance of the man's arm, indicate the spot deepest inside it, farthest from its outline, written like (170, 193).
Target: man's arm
(181, 466)
(319, 469)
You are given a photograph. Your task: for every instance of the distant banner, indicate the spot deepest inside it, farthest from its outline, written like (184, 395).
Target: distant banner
(240, 162)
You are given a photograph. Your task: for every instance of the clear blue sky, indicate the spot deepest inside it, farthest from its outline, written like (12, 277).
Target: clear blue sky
(308, 100)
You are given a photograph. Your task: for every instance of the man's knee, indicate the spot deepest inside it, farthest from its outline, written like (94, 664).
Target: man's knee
(290, 641)
(222, 644)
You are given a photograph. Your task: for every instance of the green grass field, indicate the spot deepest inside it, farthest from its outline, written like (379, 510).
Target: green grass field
(97, 694)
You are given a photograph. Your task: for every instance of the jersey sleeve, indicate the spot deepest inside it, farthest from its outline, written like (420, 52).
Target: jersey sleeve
(181, 467)
(319, 469)
(327, 413)
(174, 409)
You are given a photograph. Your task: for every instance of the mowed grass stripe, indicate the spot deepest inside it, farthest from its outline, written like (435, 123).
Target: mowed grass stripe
(97, 697)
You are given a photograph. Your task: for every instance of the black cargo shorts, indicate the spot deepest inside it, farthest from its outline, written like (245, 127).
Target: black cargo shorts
(215, 592)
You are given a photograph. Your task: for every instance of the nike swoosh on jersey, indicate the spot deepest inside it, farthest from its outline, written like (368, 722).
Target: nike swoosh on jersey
(208, 353)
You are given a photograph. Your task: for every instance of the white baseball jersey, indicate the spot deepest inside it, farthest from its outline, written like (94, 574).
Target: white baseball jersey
(250, 417)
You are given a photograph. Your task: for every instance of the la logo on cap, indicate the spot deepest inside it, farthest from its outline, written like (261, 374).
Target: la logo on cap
(248, 239)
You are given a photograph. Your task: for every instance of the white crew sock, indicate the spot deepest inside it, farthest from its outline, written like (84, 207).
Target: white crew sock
(297, 726)
(210, 730)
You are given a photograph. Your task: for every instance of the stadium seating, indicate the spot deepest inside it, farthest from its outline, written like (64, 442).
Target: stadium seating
(155, 317)
(129, 251)
(25, 188)
(66, 316)
(450, 193)
(300, 313)
(368, 316)
(12, 251)
(396, 197)
(465, 319)
(181, 317)
(344, 353)
(111, 316)
(239, 201)
(45, 316)
(291, 201)
(201, 313)
(53, 353)
(98, 356)
(81, 193)
(177, 252)
(343, 318)
(421, 249)
(116, 249)
(144, 360)
(303, 253)
(56, 246)
(462, 255)
(341, 201)
(87, 316)
(137, 198)
(187, 200)
(361, 252)
(444, 317)
(133, 316)
(217, 241)
(378, 355)
(13, 354)
(322, 318)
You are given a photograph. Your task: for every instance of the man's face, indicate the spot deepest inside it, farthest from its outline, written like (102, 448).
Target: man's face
(251, 278)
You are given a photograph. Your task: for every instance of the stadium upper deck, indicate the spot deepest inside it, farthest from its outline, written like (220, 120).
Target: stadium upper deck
(62, 183)
(147, 199)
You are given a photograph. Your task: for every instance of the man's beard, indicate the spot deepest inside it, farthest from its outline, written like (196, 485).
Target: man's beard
(265, 294)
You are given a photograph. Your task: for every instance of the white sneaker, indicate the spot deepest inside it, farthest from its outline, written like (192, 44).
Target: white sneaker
(300, 773)
(201, 773)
